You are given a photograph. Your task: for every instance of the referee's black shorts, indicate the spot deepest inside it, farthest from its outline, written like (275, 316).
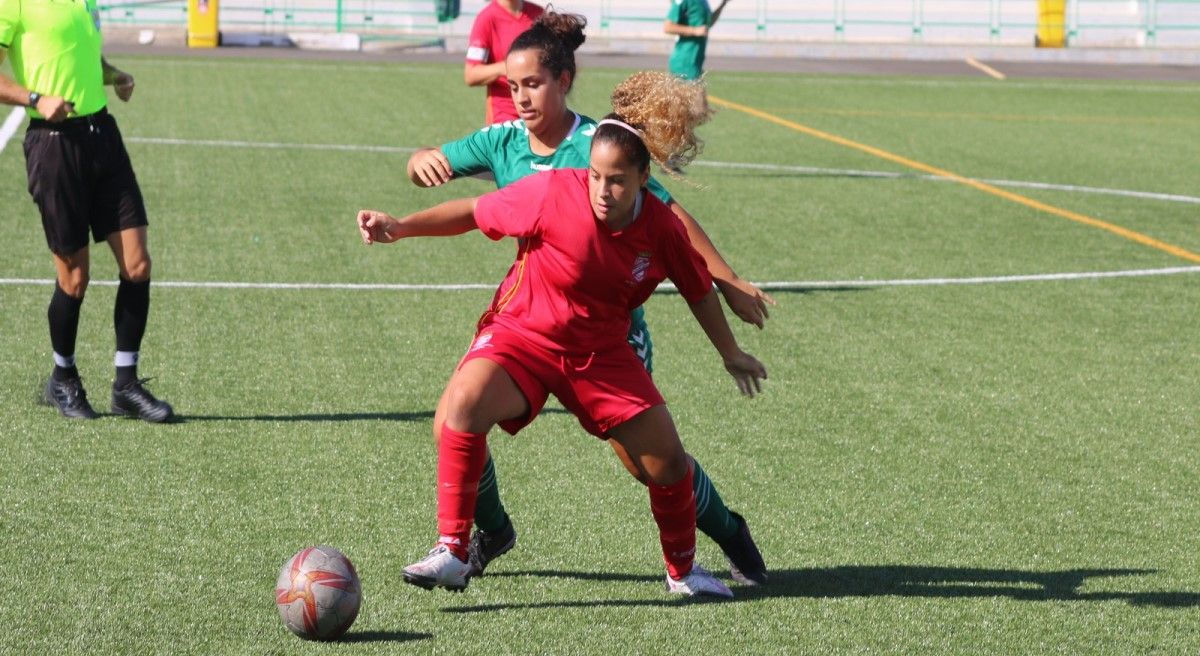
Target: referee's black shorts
(81, 179)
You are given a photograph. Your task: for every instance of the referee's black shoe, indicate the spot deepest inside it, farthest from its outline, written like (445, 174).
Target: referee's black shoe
(133, 400)
(68, 397)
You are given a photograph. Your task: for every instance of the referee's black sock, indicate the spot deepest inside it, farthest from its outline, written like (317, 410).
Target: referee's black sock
(129, 320)
(63, 316)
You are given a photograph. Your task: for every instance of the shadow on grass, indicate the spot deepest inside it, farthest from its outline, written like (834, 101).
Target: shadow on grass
(384, 636)
(315, 417)
(818, 289)
(961, 582)
(331, 416)
(576, 576)
(887, 580)
(798, 289)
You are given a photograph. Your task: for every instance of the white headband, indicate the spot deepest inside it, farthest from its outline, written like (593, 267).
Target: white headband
(613, 121)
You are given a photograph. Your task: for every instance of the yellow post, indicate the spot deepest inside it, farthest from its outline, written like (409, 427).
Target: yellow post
(1051, 25)
(202, 24)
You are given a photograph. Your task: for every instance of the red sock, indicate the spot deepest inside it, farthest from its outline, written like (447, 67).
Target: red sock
(674, 509)
(460, 466)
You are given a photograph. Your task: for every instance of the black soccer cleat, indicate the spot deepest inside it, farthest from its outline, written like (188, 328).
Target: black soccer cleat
(69, 397)
(486, 547)
(746, 564)
(133, 400)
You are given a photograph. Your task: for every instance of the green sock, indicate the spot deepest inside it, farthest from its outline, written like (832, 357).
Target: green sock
(712, 517)
(489, 511)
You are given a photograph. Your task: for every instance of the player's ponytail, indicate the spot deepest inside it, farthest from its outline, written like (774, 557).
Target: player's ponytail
(556, 36)
(664, 111)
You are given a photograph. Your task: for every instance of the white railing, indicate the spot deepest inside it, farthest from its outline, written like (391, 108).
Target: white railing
(1154, 23)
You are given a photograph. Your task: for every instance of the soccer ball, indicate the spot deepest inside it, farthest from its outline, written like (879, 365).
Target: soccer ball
(318, 594)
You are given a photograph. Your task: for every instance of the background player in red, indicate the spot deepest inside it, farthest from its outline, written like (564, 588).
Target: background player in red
(594, 246)
(494, 29)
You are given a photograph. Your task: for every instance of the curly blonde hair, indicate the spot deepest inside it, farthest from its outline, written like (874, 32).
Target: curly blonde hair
(666, 109)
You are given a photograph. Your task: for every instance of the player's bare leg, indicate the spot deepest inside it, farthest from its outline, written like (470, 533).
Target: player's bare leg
(653, 447)
(727, 528)
(480, 395)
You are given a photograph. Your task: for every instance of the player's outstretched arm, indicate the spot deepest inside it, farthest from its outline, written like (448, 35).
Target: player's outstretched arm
(746, 300)
(746, 370)
(453, 217)
(428, 167)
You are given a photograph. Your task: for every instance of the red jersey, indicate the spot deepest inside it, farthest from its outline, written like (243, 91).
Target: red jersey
(575, 281)
(492, 33)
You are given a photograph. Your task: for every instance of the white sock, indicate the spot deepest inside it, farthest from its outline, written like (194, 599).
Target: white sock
(64, 361)
(125, 358)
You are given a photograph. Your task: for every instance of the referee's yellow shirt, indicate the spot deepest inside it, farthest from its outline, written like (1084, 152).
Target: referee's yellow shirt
(55, 49)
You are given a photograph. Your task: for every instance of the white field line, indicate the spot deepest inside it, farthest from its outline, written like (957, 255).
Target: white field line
(979, 280)
(315, 65)
(817, 80)
(10, 126)
(183, 284)
(725, 76)
(222, 143)
(853, 173)
(801, 285)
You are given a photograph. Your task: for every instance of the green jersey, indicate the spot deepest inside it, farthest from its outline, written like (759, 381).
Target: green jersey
(687, 60)
(502, 149)
(55, 48)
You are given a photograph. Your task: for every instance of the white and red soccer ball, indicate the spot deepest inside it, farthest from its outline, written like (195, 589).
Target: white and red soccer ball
(318, 594)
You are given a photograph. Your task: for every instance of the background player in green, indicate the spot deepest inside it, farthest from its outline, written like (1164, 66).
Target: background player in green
(541, 71)
(82, 181)
(689, 21)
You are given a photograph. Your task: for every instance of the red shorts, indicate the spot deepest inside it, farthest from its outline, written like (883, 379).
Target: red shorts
(602, 390)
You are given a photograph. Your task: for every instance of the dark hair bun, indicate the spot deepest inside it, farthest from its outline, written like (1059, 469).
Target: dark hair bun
(567, 28)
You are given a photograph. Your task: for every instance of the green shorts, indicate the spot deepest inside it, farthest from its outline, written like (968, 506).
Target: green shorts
(639, 338)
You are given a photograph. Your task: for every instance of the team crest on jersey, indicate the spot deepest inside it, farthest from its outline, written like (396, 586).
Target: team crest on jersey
(482, 342)
(640, 266)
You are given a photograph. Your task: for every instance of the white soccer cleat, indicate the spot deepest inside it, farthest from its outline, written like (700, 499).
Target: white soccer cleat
(439, 568)
(699, 582)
